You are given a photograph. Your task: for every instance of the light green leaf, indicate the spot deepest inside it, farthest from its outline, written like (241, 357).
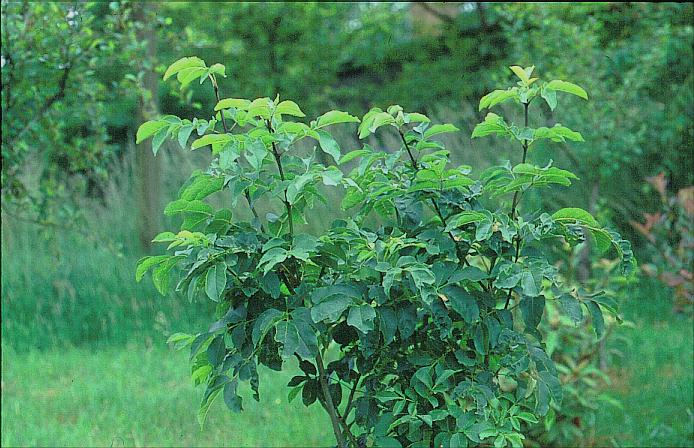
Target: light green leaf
(415, 117)
(205, 407)
(380, 119)
(334, 117)
(353, 197)
(211, 139)
(148, 129)
(183, 63)
(575, 214)
(498, 96)
(521, 73)
(184, 134)
(255, 152)
(568, 87)
(328, 145)
(353, 155)
(557, 133)
(201, 187)
(439, 129)
(236, 103)
(492, 124)
(188, 75)
(296, 186)
(331, 176)
(218, 69)
(464, 218)
(144, 264)
(289, 108)
(160, 274)
(550, 96)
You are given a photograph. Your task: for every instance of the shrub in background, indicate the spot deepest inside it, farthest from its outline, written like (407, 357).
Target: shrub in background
(414, 318)
(671, 236)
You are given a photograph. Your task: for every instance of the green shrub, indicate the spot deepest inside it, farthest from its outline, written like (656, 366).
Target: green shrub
(414, 317)
(670, 234)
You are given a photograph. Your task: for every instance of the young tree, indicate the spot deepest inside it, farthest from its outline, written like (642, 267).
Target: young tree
(417, 328)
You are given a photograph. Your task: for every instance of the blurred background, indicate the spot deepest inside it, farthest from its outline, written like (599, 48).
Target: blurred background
(84, 360)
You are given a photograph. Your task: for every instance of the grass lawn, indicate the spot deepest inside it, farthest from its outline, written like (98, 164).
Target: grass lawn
(132, 396)
(654, 380)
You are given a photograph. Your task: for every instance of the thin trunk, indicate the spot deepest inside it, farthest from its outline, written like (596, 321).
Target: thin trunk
(147, 167)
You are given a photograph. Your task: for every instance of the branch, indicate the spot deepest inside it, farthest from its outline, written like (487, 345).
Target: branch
(515, 202)
(50, 101)
(351, 395)
(461, 255)
(278, 160)
(246, 194)
(334, 419)
(438, 14)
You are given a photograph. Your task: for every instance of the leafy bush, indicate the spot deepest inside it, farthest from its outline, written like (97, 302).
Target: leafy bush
(415, 317)
(579, 360)
(671, 237)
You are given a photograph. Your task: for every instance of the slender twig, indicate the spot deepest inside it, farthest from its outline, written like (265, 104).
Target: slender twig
(246, 194)
(348, 408)
(516, 200)
(278, 160)
(461, 255)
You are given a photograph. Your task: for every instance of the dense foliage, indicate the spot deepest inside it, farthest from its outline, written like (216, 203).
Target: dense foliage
(428, 314)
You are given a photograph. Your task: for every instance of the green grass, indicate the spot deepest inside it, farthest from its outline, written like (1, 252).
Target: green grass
(133, 396)
(66, 290)
(654, 378)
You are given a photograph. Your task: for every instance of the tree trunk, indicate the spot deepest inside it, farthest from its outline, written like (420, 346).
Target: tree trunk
(147, 167)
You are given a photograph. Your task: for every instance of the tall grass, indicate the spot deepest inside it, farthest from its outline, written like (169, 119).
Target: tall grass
(62, 286)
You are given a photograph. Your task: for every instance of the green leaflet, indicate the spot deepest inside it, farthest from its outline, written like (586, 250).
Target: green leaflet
(328, 145)
(564, 86)
(264, 322)
(439, 129)
(492, 125)
(215, 281)
(182, 64)
(289, 108)
(463, 303)
(532, 309)
(497, 96)
(296, 336)
(201, 187)
(362, 317)
(335, 117)
(330, 309)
